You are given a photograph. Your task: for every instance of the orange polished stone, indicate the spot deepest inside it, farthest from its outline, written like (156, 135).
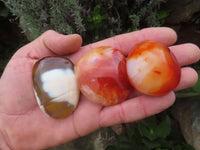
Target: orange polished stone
(55, 86)
(152, 69)
(102, 77)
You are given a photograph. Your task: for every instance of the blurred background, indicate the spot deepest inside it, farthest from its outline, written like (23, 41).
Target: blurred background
(177, 128)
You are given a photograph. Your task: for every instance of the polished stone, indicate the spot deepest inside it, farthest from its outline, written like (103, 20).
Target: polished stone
(152, 69)
(102, 77)
(55, 86)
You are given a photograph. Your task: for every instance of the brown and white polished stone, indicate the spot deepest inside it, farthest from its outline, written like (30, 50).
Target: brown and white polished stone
(55, 86)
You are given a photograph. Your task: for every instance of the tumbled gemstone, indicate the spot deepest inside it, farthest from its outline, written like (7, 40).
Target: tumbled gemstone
(152, 68)
(102, 77)
(55, 86)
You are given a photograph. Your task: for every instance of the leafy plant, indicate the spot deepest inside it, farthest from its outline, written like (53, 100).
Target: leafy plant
(196, 20)
(10, 38)
(151, 133)
(4, 12)
(162, 15)
(39, 16)
(94, 20)
(147, 13)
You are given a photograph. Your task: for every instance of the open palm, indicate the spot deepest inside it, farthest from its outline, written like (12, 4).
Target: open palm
(24, 126)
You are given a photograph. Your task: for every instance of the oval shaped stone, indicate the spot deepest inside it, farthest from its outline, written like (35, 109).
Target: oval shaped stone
(152, 68)
(102, 77)
(55, 86)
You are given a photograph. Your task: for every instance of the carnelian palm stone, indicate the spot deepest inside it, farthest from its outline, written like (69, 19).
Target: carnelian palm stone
(55, 86)
(102, 77)
(152, 69)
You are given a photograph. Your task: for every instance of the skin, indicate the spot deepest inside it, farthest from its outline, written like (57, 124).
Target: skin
(24, 126)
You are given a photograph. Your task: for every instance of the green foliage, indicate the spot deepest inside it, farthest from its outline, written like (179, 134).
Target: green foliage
(147, 13)
(94, 20)
(4, 12)
(196, 20)
(162, 15)
(9, 37)
(39, 16)
(151, 134)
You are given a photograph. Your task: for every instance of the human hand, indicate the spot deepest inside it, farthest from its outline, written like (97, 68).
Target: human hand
(24, 126)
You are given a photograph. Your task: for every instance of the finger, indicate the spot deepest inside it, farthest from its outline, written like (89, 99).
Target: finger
(186, 53)
(125, 42)
(135, 109)
(51, 43)
(89, 111)
(188, 78)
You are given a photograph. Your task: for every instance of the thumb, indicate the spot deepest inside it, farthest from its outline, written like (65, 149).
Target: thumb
(51, 43)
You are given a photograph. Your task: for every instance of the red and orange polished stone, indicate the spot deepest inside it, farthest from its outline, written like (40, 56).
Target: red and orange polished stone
(102, 77)
(152, 69)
